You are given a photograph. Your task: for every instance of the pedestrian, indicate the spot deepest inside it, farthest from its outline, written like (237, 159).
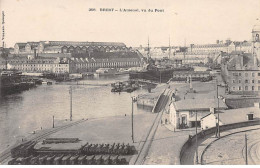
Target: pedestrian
(189, 140)
(202, 133)
(216, 133)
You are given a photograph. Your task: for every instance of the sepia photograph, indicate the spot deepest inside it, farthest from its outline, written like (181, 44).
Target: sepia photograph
(130, 82)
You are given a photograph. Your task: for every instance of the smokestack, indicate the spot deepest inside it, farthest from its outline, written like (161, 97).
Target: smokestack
(35, 55)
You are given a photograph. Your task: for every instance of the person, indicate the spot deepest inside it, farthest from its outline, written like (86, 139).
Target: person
(202, 133)
(216, 133)
(165, 120)
(189, 140)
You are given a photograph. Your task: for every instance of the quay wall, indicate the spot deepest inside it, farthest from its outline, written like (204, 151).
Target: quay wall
(146, 102)
(241, 102)
(210, 131)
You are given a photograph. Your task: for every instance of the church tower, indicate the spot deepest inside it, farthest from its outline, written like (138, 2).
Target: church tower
(256, 42)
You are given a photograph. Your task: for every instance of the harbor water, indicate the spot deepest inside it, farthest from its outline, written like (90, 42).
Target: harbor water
(23, 113)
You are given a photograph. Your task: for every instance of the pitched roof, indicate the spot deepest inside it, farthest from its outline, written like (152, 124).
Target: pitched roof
(209, 45)
(242, 61)
(78, 43)
(198, 104)
(21, 45)
(237, 115)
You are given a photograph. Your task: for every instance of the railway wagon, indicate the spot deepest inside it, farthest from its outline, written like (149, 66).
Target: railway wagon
(74, 159)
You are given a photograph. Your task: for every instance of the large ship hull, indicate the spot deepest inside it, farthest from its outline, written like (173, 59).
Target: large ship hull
(13, 83)
(157, 75)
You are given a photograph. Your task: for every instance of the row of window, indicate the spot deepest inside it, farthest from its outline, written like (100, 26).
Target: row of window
(247, 74)
(107, 63)
(43, 69)
(246, 88)
(188, 75)
(39, 62)
(42, 65)
(246, 81)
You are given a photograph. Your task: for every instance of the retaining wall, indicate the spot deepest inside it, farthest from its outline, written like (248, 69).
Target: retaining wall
(212, 130)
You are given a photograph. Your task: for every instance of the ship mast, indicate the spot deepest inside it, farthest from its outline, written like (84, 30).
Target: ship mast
(148, 51)
(169, 47)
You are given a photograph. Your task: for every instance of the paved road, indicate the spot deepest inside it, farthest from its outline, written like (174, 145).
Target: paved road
(230, 150)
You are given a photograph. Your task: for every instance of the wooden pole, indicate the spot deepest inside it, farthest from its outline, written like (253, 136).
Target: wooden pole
(70, 103)
(52, 121)
(218, 114)
(133, 120)
(197, 159)
(246, 149)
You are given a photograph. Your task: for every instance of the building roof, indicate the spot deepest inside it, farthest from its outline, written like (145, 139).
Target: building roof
(210, 45)
(50, 48)
(107, 55)
(256, 27)
(191, 72)
(236, 115)
(21, 45)
(77, 43)
(198, 104)
(242, 61)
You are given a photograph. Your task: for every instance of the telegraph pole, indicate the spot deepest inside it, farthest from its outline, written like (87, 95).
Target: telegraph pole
(133, 119)
(52, 121)
(169, 47)
(70, 103)
(218, 113)
(246, 149)
(160, 77)
(197, 159)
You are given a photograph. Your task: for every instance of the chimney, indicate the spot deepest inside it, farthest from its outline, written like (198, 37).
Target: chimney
(35, 55)
(212, 110)
(256, 105)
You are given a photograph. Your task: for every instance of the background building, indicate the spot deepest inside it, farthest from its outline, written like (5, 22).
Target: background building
(242, 71)
(68, 47)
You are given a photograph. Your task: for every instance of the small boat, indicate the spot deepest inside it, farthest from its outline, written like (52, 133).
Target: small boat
(47, 83)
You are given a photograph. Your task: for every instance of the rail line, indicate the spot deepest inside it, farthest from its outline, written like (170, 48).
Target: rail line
(165, 98)
(208, 145)
(252, 152)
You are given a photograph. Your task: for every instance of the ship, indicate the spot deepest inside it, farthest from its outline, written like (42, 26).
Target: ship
(12, 82)
(158, 74)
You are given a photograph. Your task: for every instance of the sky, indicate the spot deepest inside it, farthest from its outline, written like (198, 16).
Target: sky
(182, 21)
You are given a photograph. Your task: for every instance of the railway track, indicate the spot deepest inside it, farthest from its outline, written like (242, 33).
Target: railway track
(253, 154)
(146, 144)
(6, 155)
(243, 150)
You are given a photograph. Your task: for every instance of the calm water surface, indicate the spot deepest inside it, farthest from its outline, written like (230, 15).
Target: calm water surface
(20, 114)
